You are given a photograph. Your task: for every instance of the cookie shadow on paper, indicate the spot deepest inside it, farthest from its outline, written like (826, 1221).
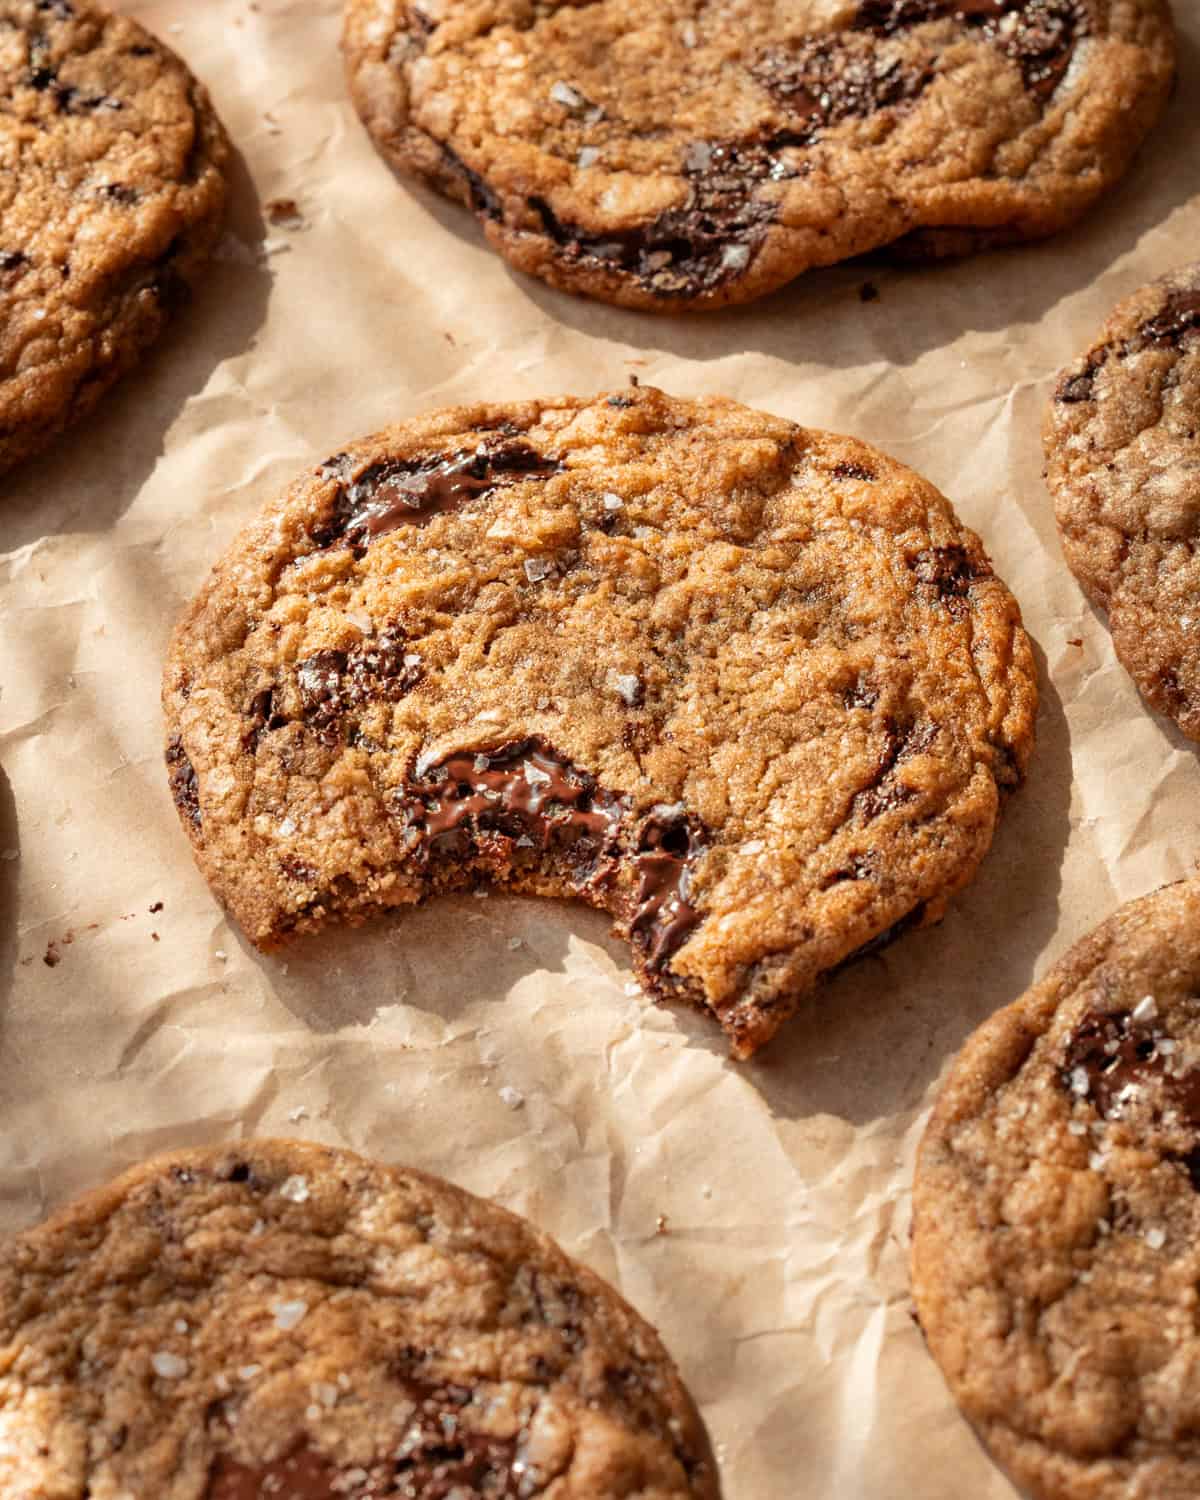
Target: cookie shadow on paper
(10, 851)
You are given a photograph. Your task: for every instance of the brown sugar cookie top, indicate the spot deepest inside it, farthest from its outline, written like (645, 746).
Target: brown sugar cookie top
(1122, 439)
(114, 186)
(750, 688)
(688, 154)
(279, 1321)
(1057, 1216)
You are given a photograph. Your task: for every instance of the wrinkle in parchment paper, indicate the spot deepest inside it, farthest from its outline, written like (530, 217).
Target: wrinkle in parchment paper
(757, 1214)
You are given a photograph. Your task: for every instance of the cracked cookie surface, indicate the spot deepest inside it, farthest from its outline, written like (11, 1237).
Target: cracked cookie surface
(1122, 439)
(752, 689)
(694, 153)
(1057, 1216)
(279, 1321)
(113, 192)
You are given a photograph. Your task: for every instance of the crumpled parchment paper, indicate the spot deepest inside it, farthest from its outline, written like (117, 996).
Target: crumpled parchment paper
(757, 1214)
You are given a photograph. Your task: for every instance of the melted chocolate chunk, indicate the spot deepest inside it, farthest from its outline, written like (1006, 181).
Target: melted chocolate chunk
(437, 1458)
(330, 683)
(1180, 316)
(12, 262)
(407, 492)
(951, 571)
(1039, 36)
(522, 793)
(1117, 1054)
(886, 938)
(830, 79)
(43, 77)
(263, 718)
(184, 787)
(668, 848)
(482, 199)
(703, 243)
(1075, 388)
(318, 680)
(883, 793)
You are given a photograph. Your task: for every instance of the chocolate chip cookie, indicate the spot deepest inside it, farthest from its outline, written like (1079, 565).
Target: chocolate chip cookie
(114, 188)
(752, 689)
(686, 155)
(284, 1321)
(1123, 463)
(1057, 1216)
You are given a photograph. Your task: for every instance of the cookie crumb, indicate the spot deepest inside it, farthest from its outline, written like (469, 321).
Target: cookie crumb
(285, 212)
(156, 908)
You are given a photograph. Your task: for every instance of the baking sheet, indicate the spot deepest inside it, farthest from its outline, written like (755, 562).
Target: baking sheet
(757, 1214)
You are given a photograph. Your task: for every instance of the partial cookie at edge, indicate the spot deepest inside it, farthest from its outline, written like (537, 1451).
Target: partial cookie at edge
(1122, 441)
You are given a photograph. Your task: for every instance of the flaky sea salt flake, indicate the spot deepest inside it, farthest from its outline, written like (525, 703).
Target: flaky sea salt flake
(289, 1314)
(1146, 1009)
(295, 1190)
(169, 1366)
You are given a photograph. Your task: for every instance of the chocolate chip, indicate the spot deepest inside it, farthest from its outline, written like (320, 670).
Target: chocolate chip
(117, 192)
(184, 787)
(12, 263)
(853, 471)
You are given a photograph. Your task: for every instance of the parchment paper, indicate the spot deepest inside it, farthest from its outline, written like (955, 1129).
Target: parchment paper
(757, 1214)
